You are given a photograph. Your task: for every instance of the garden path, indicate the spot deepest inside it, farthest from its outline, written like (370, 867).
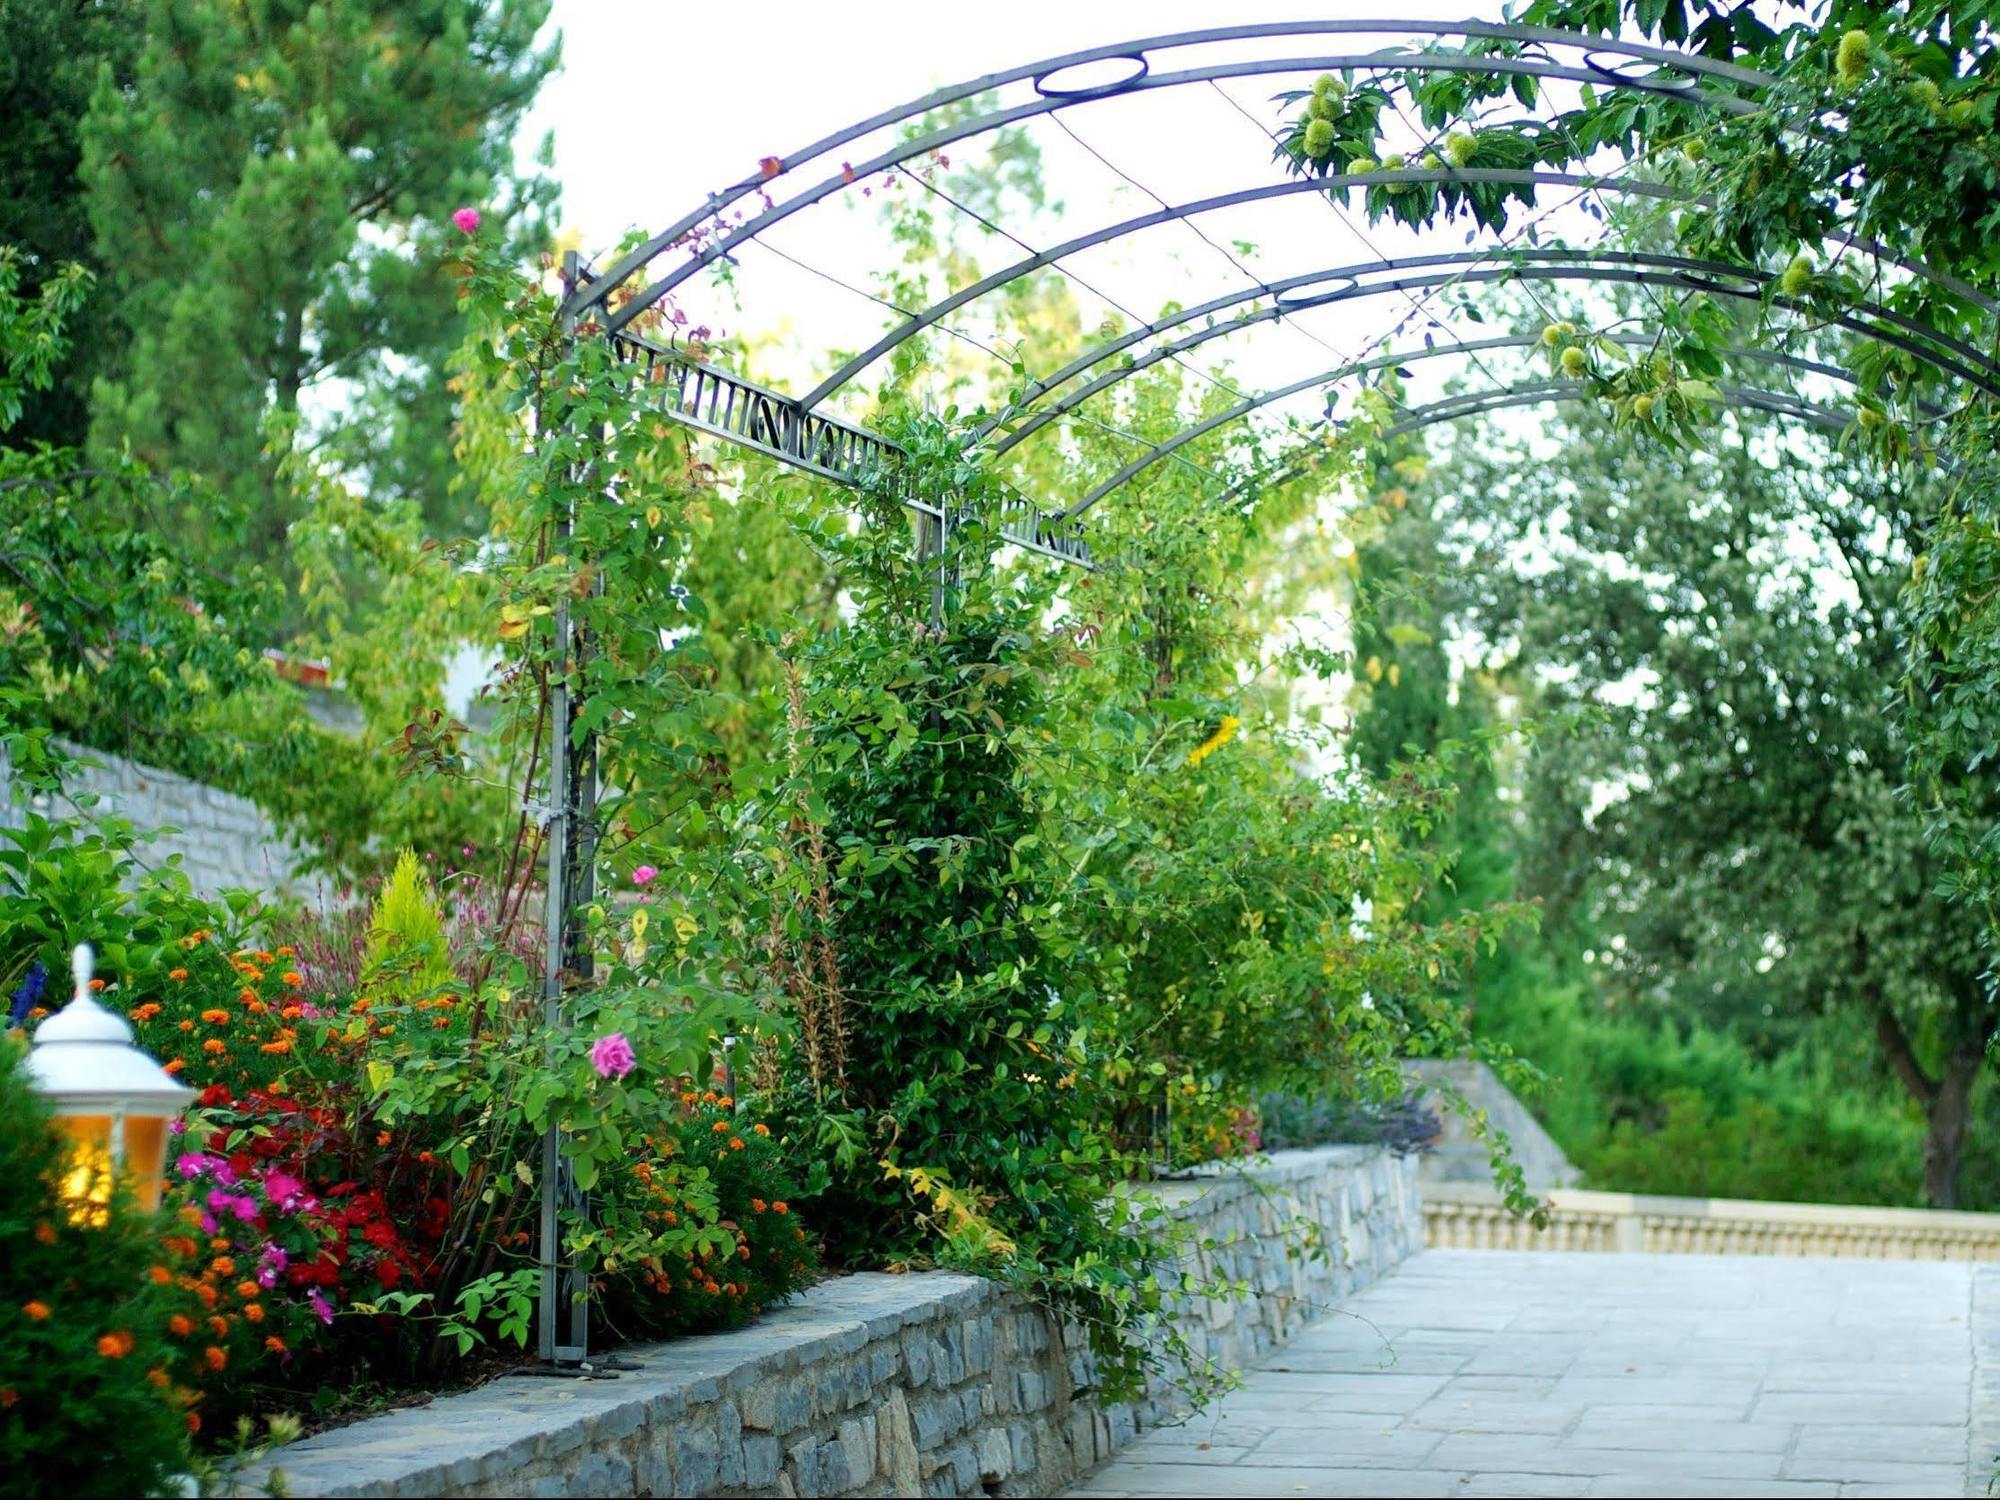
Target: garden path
(1487, 1372)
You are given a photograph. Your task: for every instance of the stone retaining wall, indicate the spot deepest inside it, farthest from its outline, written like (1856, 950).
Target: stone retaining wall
(929, 1384)
(223, 840)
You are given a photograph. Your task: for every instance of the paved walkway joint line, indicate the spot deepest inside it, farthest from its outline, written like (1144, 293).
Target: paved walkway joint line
(1486, 1372)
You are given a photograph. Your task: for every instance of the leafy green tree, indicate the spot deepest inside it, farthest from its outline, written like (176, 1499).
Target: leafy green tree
(50, 55)
(1736, 830)
(272, 197)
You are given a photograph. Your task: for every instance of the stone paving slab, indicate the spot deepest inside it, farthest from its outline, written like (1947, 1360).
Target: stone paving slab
(1486, 1372)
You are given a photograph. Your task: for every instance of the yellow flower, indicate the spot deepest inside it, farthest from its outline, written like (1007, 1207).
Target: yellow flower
(1225, 732)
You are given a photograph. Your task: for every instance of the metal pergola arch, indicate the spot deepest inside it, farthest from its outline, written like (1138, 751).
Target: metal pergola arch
(1694, 69)
(793, 430)
(1535, 393)
(1391, 361)
(1465, 268)
(1265, 192)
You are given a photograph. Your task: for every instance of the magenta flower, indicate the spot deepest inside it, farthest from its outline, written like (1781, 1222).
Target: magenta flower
(645, 875)
(613, 1056)
(192, 1165)
(284, 1190)
(467, 220)
(320, 1305)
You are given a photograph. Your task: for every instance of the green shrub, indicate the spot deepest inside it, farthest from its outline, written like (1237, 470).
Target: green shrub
(84, 1403)
(407, 951)
(724, 1172)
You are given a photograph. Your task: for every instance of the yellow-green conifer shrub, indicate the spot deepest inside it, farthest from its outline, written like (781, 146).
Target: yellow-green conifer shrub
(407, 950)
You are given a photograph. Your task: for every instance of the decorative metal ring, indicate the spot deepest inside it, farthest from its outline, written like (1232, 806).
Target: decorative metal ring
(1049, 91)
(1621, 73)
(1294, 299)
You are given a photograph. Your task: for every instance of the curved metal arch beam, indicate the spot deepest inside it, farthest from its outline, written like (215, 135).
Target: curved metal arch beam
(1597, 76)
(1476, 268)
(1244, 408)
(1689, 65)
(1264, 192)
(916, 323)
(1479, 402)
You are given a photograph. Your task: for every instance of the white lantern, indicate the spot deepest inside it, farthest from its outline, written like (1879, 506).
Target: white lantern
(112, 1100)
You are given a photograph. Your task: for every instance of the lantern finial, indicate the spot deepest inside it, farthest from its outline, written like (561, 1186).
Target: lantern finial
(82, 962)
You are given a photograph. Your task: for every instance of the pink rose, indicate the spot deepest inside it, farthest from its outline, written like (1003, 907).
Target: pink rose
(467, 220)
(613, 1056)
(645, 875)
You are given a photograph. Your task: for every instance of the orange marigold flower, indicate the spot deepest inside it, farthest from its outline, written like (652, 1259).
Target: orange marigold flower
(207, 1294)
(36, 1311)
(426, 1157)
(45, 1233)
(180, 1325)
(381, 1137)
(779, 1207)
(180, 1245)
(276, 1047)
(265, 956)
(187, 1026)
(177, 975)
(246, 994)
(193, 1420)
(216, 1017)
(293, 978)
(254, 1311)
(157, 1376)
(222, 1265)
(255, 1007)
(145, 1012)
(175, 1066)
(98, 984)
(115, 1345)
(292, 1012)
(214, 1045)
(161, 1275)
(219, 1326)
(275, 1344)
(761, 1129)
(286, 950)
(719, 1126)
(758, 1205)
(215, 1357)
(247, 1290)
(736, 1143)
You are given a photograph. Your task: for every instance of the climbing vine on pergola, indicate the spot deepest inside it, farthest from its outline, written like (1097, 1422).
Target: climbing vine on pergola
(1763, 293)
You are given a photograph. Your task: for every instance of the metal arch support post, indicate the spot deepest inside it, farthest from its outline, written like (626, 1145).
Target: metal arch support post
(1386, 362)
(563, 1314)
(1727, 76)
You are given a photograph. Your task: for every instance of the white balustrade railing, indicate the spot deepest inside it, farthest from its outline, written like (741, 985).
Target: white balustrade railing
(1470, 1216)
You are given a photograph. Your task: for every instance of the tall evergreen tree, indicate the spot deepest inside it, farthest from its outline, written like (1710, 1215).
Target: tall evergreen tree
(272, 198)
(50, 55)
